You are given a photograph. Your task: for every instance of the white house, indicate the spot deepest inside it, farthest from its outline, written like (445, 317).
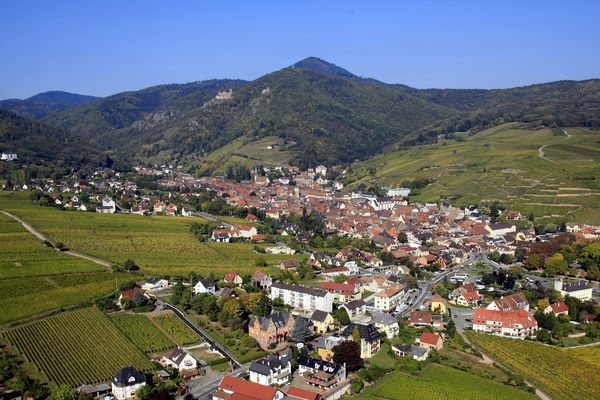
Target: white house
(302, 297)
(401, 192)
(126, 383)
(516, 324)
(155, 283)
(246, 231)
(580, 290)
(321, 170)
(386, 324)
(273, 370)
(280, 249)
(108, 206)
(387, 299)
(9, 156)
(179, 360)
(206, 285)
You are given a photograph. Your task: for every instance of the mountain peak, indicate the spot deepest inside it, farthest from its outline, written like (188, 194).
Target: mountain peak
(323, 67)
(62, 98)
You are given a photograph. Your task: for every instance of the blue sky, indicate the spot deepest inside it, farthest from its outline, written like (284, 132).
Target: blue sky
(104, 47)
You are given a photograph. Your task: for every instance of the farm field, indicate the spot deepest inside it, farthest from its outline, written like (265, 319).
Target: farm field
(142, 332)
(26, 297)
(175, 328)
(440, 382)
(75, 348)
(554, 370)
(589, 354)
(504, 164)
(22, 255)
(160, 245)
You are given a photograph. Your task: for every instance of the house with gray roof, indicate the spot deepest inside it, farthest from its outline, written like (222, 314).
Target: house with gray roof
(272, 370)
(370, 338)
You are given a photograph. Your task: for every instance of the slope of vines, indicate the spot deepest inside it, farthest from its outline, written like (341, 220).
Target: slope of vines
(555, 371)
(142, 332)
(76, 348)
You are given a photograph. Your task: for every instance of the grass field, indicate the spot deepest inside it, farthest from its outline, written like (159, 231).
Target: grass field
(555, 371)
(75, 348)
(440, 382)
(503, 164)
(160, 245)
(175, 328)
(142, 332)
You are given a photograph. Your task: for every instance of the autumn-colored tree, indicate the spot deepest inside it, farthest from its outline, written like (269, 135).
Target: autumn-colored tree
(348, 352)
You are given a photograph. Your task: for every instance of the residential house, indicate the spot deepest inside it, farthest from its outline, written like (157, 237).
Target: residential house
(108, 206)
(417, 353)
(233, 278)
(296, 393)
(579, 290)
(468, 299)
(515, 301)
(387, 299)
(322, 321)
(159, 207)
(302, 297)
(289, 264)
(246, 231)
(431, 341)
(180, 360)
(342, 292)
(126, 383)
(439, 304)
(271, 330)
(205, 285)
(261, 279)
(325, 346)
(386, 324)
(370, 338)
(272, 370)
(155, 283)
(420, 318)
(280, 249)
(355, 308)
(560, 308)
(513, 324)
(132, 295)
(231, 388)
(321, 374)
(221, 235)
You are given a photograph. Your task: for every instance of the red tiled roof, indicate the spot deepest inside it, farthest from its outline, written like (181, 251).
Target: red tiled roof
(243, 389)
(343, 288)
(514, 301)
(335, 269)
(303, 394)
(559, 307)
(417, 317)
(508, 319)
(230, 276)
(429, 338)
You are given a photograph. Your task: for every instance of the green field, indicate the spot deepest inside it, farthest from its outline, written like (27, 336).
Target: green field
(503, 164)
(175, 328)
(142, 332)
(160, 245)
(22, 255)
(555, 371)
(75, 348)
(589, 354)
(440, 382)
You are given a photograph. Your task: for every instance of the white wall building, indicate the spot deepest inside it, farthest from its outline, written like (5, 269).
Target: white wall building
(301, 297)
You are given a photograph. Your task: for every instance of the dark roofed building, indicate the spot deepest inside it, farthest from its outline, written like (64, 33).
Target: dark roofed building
(126, 382)
(370, 338)
(271, 330)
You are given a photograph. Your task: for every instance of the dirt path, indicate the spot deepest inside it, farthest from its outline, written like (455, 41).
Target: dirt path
(44, 238)
(543, 156)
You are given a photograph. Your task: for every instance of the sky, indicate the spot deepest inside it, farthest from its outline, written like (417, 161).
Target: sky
(105, 47)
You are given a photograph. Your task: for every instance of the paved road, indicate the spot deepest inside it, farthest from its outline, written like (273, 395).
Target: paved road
(166, 306)
(43, 238)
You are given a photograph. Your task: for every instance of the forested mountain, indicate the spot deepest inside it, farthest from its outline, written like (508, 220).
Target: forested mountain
(319, 111)
(44, 104)
(39, 143)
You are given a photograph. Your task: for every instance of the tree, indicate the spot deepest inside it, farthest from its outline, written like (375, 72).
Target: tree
(451, 328)
(262, 306)
(348, 352)
(233, 307)
(555, 264)
(63, 392)
(546, 321)
(543, 303)
(301, 332)
(130, 265)
(342, 316)
(144, 392)
(402, 237)
(356, 334)
(533, 262)
(177, 292)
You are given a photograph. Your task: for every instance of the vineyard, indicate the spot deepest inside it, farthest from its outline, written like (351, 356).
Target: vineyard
(142, 332)
(159, 244)
(554, 370)
(590, 354)
(444, 383)
(75, 348)
(178, 330)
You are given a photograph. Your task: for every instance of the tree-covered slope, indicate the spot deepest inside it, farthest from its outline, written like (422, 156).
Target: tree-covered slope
(44, 104)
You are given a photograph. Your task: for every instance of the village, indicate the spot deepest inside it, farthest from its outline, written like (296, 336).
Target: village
(432, 269)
